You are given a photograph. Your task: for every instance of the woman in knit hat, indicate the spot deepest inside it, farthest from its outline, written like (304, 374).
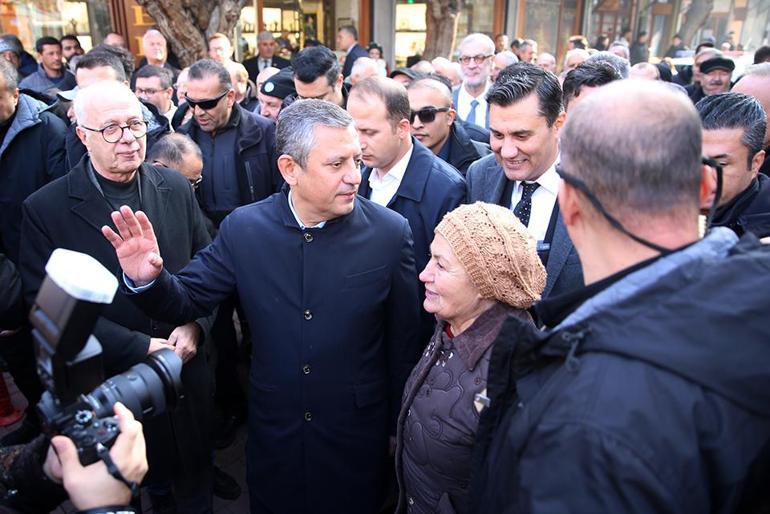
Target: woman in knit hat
(484, 270)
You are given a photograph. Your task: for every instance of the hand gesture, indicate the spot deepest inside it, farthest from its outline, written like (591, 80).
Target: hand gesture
(92, 486)
(136, 246)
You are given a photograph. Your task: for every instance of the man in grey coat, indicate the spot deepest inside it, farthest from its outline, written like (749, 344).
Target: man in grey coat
(525, 118)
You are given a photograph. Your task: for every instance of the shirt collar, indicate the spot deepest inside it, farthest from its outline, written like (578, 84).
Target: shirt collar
(296, 216)
(396, 173)
(550, 180)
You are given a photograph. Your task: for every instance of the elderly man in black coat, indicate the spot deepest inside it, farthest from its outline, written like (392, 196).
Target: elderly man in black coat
(69, 213)
(328, 284)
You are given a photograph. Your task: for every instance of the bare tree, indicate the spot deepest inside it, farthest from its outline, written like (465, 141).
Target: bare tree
(441, 17)
(187, 24)
(696, 16)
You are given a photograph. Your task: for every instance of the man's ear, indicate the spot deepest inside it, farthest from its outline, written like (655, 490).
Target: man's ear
(569, 204)
(81, 135)
(708, 187)
(756, 162)
(289, 169)
(559, 122)
(451, 115)
(404, 129)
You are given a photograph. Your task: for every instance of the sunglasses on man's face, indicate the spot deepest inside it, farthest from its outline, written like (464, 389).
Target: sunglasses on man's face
(206, 104)
(427, 114)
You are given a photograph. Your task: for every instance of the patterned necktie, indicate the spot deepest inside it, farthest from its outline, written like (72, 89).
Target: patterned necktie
(472, 114)
(524, 208)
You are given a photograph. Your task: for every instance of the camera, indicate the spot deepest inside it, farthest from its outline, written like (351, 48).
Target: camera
(77, 401)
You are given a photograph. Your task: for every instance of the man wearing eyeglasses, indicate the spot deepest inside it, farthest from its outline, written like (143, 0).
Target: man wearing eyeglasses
(239, 161)
(69, 212)
(469, 98)
(401, 173)
(154, 85)
(434, 124)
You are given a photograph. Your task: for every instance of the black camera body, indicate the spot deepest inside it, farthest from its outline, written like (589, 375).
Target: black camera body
(77, 401)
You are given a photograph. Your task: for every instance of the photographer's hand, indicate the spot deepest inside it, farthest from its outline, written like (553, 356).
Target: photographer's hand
(185, 340)
(92, 486)
(136, 246)
(157, 343)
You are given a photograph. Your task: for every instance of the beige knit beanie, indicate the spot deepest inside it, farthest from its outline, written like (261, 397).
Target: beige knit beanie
(497, 252)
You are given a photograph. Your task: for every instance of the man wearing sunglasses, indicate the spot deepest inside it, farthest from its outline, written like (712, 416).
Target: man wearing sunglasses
(401, 173)
(469, 98)
(70, 212)
(239, 161)
(654, 376)
(434, 123)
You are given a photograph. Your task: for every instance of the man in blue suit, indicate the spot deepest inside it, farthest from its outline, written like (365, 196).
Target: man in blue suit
(347, 41)
(525, 119)
(328, 284)
(401, 173)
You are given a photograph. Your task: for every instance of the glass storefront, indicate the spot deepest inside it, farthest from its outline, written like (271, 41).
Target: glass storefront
(88, 20)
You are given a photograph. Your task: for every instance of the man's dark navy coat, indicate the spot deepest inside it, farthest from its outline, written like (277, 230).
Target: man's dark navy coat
(334, 314)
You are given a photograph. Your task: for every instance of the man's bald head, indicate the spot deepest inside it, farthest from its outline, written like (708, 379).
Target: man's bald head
(643, 161)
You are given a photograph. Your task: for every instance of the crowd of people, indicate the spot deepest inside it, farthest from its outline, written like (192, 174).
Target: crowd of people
(490, 285)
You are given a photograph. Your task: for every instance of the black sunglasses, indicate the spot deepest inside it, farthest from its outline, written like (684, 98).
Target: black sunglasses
(207, 104)
(427, 114)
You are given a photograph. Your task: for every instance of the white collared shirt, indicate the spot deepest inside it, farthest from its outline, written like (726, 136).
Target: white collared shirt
(384, 188)
(463, 106)
(543, 201)
(299, 221)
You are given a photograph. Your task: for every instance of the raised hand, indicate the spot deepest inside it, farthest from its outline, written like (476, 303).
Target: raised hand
(135, 246)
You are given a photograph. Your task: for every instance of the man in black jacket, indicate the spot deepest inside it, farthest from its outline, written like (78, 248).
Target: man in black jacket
(69, 213)
(756, 82)
(734, 127)
(239, 160)
(435, 123)
(650, 392)
(31, 155)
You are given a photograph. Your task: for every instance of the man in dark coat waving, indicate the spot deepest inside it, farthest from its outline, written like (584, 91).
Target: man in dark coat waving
(328, 284)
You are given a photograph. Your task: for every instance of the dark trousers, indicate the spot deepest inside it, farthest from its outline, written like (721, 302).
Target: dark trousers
(229, 395)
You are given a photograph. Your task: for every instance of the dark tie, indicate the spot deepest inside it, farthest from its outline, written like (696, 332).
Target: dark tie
(524, 208)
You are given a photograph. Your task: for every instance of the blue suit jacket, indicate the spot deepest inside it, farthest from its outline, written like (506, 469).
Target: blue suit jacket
(356, 52)
(334, 314)
(455, 102)
(486, 183)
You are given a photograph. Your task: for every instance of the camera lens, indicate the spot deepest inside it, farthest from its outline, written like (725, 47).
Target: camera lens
(147, 389)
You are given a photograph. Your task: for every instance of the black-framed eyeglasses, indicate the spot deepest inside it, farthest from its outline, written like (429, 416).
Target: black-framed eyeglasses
(114, 132)
(427, 114)
(478, 59)
(581, 186)
(206, 104)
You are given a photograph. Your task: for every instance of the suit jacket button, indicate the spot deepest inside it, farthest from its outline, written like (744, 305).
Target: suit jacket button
(308, 237)
(308, 416)
(306, 369)
(308, 315)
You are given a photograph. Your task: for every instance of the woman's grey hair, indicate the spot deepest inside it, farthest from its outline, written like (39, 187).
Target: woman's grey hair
(296, 125)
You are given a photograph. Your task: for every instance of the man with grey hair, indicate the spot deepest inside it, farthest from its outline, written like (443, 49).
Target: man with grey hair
(547, 62)
(756, 82)
(451, 70)
(621, 65)
(651, 337)
(69, 213)
(363, 68)
(620, 49)
(265, 57)
(155, 48)
(501, 61)
(527, 50)
(329, 287)
(469, 98)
